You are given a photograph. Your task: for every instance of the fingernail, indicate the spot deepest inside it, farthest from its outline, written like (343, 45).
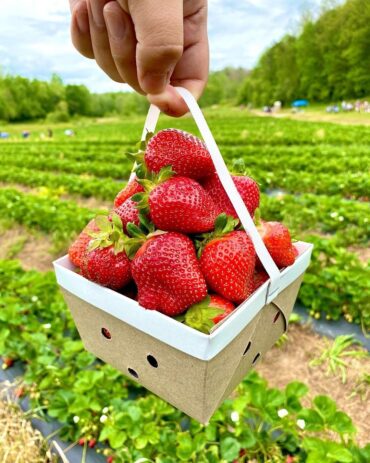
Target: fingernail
(97, 14)
(116, 27)
(155, 83)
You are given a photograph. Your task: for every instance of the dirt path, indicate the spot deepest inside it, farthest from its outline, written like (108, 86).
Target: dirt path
(291, 363)
(90, 203)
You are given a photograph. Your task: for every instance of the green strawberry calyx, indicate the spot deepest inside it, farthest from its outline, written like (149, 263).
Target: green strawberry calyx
(200, 316)
(109, 233)
(138, 236)
(224, 224)
(139, 157)
(142, 198)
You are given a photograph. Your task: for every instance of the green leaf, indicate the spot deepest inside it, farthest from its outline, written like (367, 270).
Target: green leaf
(103, 223)
(313, 420)
(296, 389)
(230, 448)
(184, 448)
(325, 406)
(338, 453)
(342, 423)
(200, 316)
(116, 438)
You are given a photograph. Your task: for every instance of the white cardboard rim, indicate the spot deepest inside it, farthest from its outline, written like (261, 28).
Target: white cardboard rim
(166, 329)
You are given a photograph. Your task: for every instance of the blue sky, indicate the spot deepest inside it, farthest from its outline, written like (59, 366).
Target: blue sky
(34, 37)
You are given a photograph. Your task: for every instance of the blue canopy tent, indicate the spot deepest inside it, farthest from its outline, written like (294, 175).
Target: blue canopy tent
(300, 104)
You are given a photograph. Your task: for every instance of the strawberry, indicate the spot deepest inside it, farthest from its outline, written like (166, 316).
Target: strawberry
(227, 260)
(78, 248)
(247, 188)
(207, 313)
(92, 443)
(128, 212)
(259, 277)
(8, 362)
(110, 459)
(81, 441)
(187, 155)
(165, 270)
(278, 243)
(130, 189)
(106, 262)
(177, 204)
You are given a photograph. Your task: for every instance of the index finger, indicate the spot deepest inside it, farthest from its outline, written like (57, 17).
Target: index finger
(160, 35)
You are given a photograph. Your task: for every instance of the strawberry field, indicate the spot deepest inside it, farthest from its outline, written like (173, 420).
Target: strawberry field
(313, 177)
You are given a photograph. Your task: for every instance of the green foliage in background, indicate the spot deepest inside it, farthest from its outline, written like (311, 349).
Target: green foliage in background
(328, 60)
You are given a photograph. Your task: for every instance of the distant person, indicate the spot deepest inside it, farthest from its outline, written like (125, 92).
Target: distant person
(4, 135)
(50, 133)
(69, 133)
(26, 134)
(152, 46)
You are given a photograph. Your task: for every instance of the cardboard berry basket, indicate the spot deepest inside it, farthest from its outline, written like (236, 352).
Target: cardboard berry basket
(191, 370)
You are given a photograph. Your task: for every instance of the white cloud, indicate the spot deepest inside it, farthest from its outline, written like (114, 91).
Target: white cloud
(35, 42)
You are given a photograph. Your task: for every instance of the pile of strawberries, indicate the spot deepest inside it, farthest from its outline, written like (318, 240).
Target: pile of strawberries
(173, 240)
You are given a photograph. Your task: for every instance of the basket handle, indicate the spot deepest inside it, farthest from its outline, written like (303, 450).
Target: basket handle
(227, 183)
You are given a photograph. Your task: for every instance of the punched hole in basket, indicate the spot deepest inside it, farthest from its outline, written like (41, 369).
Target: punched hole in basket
(256, 358)
(152, 361)
(132, 372)
(276, 318)
(106, 333)
(247, 348)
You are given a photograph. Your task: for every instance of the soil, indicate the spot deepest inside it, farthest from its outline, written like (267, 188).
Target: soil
(290, 362)
(31, 249)
(362, 253)
(90, 203)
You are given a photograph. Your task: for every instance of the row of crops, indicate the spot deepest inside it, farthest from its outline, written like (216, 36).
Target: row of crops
(313, 177)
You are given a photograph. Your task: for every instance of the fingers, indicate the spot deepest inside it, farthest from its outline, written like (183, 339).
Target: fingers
(159, 33)
(191, 71)
(122, 42)
(80, 29)
(99, 39)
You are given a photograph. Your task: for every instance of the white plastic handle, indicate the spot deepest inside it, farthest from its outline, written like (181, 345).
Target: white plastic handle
(227, 183)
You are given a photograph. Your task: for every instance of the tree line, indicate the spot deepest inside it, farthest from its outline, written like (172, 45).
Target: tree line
(328, 60)
(23, 99)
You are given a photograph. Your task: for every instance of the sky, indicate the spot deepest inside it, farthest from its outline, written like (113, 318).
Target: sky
(35, 41)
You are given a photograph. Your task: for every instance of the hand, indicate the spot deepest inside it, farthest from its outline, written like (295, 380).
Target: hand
(152, 45)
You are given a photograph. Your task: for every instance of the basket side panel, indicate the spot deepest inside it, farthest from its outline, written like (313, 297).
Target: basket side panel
(179, 378)
(270, 324)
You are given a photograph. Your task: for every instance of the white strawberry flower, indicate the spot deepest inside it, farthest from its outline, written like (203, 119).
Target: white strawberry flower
(76, 419)
(47, 326)
(103, 418)
(105, 410)
(34, 298)
(333, 215)
(283, 412)
(234, 416)
(301, 423)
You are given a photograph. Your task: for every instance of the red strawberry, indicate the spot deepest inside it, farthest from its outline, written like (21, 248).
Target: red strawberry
(207, 313)
(227, 261)
(166, 272)
(130, 189)
(8, 362)
(110, 459)
(92, 443)
(177, 204)
(247, 188)
(128, 212)
(105, 261)
(259, 277)
(278, 243)
(187, 155)
(19, 393)
(81, 442)
(78, 248)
